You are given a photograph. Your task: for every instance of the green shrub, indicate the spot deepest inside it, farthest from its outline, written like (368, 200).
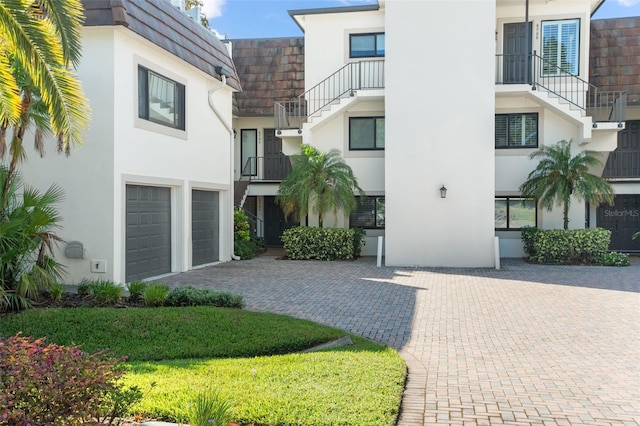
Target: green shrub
(105, 292)
(245, 249)
(241, 229)
(48, 384)
(136, 290)
(209, 408)
(56, 291)
(155, 294)
(322, 243)
(528, 238)
(28, 223)
(567, 247)
(191, 296)
(615, 259)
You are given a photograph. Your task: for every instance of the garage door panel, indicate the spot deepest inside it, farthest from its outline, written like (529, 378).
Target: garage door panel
(205, 227)
(623, 220)
(148, 231)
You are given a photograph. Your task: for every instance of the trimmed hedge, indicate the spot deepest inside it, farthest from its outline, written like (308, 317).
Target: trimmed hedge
(303, 243)
(566, 247)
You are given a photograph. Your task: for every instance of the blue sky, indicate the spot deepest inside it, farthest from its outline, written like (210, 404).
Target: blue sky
(270, 18)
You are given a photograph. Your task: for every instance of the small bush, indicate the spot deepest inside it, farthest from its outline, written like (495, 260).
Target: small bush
(48, 384)
(567, 247)
(136, 290)
(56, 291)
(105, 292)
(155, 294)
(615, 259)
(190, 296)
(209, 408)
(245, 249)
(241, 228)
(323, 243)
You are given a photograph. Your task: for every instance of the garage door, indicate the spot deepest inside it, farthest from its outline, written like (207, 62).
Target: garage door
(205, 227)
(148, 232)
(623, 220)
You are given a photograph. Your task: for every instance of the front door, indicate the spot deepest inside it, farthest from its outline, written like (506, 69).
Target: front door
(274, 222)
(276, 164)
(623, 220)
(516, 65)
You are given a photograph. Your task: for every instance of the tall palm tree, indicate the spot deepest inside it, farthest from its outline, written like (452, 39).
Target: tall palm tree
(39, 43)
(559, 176)
(320, 181)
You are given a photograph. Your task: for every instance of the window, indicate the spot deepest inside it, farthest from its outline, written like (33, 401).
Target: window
(516, 130)
(366, 133)
(366, 45)
(514, 213)
(160, 99)
(369, 213)
(560, 47)
(249, 151)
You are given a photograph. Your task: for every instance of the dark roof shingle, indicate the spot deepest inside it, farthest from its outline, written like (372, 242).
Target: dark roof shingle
(165, 26)
(614, 57)
(271, 69)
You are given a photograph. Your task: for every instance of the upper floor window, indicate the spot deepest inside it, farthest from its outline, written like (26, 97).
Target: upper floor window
(369, 213)
(366, 133)
(560, 47)
(514, 213)
(366, 45)
(160, 99)
(516, 130)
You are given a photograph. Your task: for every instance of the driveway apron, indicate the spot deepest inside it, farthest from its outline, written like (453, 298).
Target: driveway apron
(526, 344)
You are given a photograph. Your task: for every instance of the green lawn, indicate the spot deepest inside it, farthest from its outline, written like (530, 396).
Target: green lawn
(249, 357)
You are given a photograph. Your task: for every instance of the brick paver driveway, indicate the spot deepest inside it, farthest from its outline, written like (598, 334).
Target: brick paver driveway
(527, 344)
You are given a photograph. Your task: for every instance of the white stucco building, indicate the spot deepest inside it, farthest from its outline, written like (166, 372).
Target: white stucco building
(150, 191)
(420, 96)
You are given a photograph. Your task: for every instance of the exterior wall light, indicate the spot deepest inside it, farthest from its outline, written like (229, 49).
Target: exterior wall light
(443, 192)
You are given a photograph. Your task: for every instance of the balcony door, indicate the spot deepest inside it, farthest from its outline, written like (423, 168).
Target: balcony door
(276, 164)
(516, 65)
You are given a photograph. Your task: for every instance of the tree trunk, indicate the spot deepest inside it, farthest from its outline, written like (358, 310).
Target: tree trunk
(565, 214)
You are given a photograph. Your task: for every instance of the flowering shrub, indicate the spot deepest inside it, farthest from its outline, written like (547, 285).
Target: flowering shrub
(615, 259)
(48, 384)
(323, 243)
(567, 247)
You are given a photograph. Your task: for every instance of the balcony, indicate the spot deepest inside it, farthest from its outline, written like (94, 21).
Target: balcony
(568, 89)
(266, 169)
(622, 165)
(344, 83)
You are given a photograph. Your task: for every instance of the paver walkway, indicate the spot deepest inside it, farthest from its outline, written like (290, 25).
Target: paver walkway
(527, 344)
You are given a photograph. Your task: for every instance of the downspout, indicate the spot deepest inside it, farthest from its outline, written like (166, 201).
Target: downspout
(227, 126)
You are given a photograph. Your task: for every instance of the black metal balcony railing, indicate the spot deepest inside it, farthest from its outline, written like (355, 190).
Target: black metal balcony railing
(343, 83)
(542, 74)
(622, 164)
(268, 168)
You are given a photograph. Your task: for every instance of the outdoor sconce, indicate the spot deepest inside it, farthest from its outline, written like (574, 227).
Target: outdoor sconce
(443, 192)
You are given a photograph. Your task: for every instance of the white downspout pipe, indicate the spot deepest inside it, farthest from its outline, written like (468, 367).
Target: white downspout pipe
(227, 126)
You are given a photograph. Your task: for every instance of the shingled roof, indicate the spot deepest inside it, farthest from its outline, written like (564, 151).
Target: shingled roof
(615, 56)
(165, 26)
(271, 69)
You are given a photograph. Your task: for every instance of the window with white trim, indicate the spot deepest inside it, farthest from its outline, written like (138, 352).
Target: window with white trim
(366, 133)
(366, 45)
(249, 152)
(514, 213)
(560, 47)
(160, 99)
(368, 214)
(516, 130)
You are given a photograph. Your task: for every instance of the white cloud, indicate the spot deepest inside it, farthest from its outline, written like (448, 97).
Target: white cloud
(212, 8)
(628, 3)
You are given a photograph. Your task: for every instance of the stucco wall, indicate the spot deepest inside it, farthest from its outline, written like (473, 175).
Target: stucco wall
(440, 118)
(119, 149)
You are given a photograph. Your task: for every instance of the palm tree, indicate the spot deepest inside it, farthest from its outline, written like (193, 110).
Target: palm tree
(39, 42)
(27, 237)
(559, 176)
(320, 181)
